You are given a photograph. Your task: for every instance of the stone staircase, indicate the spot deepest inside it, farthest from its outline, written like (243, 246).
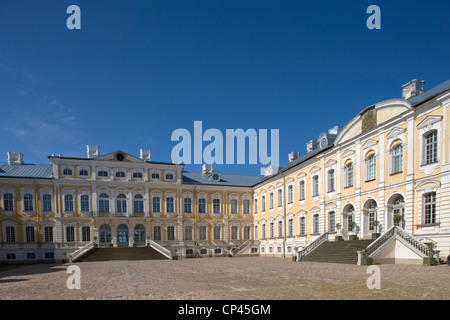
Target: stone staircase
(338, 251)
(129, 253)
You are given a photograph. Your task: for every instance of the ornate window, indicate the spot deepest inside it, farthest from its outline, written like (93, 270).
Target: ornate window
(28, 202)
(234, 206)
(216, 206)
(246, 205)
(84, 203)
(397, 159)
(68, 202)
(156, 204)
(331, 187)
(301, 190)
(348, 175)
(8, 202)
(331, 221)
(170, 205)
(138, 204)
(46, 202)
(431, 147)
(315, 186)
(302, 226)
(280, 198)
(187, 205)
(103, 203)
(290, 194)
(202, 205)
(429, 204)
(271, 200)
(316, 223)
(371, 167)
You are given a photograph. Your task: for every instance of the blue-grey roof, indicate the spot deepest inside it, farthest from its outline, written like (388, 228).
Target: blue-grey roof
(26, 170)
(225, 179)
(430, 93)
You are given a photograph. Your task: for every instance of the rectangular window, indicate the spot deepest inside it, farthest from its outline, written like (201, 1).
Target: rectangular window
(86, 234)
(187, 205)
(431, 147)
(29, 232)
(217, 232)
(301, 191)
(349, 175)
(188, 233)
(171, 233)
(70, 234)
(315, 186)
(256, 205)
(271, 230)
(234, 205)
(84, 203)
(68, 202)
(10, 234)
(202, 233)
(280, 197)
(46, 203)
(8, 203)
(290, 194)
(216, 206)
(271, 200)
(331, 181)
(202, 205)
(263, 232)
(263, 203)
(316, 223)
(290, 228)
(280, 229)
(246, 233)
(157, 236)
(28, 202)
(430, 208)
(234, 233)
(170, 204)
(48, 234)
(332, 221)
(302, 226)
(246, 204)
(156, 204)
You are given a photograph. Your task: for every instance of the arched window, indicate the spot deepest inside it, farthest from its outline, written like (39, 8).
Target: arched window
(139, 233)
(138, 204)
(301, 191)
(429, 208)
(315, 186)
(397, 159)
(105, 234)
(348, 175)
(331, 187)
(316, 223)
(103, 203)
(371, 167)
(280, 197)
(290, 194)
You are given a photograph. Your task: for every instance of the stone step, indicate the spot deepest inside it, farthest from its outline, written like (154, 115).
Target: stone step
(338, 251)
(130, 253)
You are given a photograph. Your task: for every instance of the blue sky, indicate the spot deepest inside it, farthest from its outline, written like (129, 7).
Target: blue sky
(138, 70)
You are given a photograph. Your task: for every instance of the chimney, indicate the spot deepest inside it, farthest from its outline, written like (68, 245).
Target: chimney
(412, 89)
(293, 156)
(207, 168)
(146, 154)
(92, 151)
(311, 145)
(15, 158)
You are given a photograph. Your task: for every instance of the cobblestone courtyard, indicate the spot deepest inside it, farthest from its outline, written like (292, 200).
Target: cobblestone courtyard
(223, 278)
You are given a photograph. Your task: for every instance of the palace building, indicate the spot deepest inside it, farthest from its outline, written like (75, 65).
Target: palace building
(385, 177)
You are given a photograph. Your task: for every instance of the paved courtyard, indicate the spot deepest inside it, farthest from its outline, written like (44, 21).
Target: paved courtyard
(223, 278)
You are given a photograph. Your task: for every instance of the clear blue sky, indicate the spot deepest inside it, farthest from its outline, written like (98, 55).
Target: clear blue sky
(138, 70)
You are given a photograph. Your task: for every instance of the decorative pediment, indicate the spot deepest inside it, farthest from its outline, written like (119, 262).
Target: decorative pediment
(369, 144)
(348, 153)
(119, 156)
(395, 133)
(330, 163)
(429, 121)
(301, 175)
(314, 169)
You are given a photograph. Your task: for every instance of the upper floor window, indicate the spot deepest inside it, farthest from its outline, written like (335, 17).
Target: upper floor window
(169, 176)
(397, 159)
(216, 206)
(46, 202)
(67, 172)
(271, 200)
(187, 205)
(263, 203)
(202, 205)
(371, 167)
(103, 173)
(121, 203)
(256, 205)
(120, 174)
(169, 204)
(137, 175)
(316, 223)
(103, 203)
(68, 202)
(10, 234)
(246, 204)
(156, 204)
(348, 175)
(290, 194)
(8, 202)
(83, 172)
(84, 203)
(28, 202)
(431, 147)
(234, 206)
(429, 200)
(138, 203)
(155, 176)
(315, 186)
(301, 190)
(331, 180)
(280, 197)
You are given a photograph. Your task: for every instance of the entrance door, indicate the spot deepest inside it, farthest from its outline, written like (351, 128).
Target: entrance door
(122, 236)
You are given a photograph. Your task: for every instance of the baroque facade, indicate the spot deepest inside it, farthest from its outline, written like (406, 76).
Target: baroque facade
(389, 166)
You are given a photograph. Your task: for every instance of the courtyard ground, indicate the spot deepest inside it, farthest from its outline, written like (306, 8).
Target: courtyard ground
(245, 278)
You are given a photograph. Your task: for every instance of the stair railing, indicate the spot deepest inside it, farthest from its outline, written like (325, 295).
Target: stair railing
(166, 252)
(81, 251)
(312, 246)
(235, 251)
(396, 232)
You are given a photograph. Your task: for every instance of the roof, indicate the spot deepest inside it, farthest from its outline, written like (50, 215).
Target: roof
(26, 170)
(430, 93)
(190, 177)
